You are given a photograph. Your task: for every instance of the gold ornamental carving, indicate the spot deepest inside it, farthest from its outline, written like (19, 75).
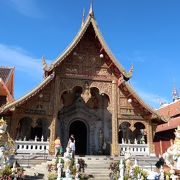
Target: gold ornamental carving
(104, 87)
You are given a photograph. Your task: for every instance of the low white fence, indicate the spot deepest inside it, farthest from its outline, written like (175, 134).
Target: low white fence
(134, 149)
(32, 147)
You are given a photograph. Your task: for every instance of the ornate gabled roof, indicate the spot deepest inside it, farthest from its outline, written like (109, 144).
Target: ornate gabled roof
(137, 100)
(91, 20)
(28, 95)
(5, 73)
(4, 88)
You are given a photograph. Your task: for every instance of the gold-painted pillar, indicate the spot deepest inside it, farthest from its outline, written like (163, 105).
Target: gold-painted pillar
(55, 101)
(114, 146)
(13, 126)
(151, 132)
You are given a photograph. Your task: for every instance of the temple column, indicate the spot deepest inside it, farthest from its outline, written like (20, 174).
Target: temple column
(55, 101)
(150, 139)
(14, 125)
(114, 146)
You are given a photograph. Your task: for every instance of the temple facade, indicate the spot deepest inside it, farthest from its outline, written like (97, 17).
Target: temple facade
(85, 92)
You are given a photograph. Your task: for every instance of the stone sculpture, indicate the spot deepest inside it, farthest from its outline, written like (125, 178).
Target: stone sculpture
(172, 155)
(6, 145)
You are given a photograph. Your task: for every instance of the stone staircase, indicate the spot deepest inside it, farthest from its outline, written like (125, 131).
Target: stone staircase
(35, 166)
(97, 166)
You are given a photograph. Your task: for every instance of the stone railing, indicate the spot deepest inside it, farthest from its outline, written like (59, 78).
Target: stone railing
(134, 149)
(32, 147)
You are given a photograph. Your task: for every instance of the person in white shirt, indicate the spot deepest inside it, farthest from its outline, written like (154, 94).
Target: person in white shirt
(72, 146)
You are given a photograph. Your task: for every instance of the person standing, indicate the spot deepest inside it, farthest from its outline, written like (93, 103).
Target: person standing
(72, 146)
(57, 145)
(71, 137)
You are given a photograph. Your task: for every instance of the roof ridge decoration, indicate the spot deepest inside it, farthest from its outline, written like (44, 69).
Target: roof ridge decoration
(44, 64)
(7, 67)
(175, 94)
(91, 20)
(33, 92)
(83, 18)
(91, 12)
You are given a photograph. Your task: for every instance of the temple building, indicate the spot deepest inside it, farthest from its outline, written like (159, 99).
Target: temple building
(165, 136)
(85, 92)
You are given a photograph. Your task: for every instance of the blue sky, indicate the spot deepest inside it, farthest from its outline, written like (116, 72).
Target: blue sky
(145, 33)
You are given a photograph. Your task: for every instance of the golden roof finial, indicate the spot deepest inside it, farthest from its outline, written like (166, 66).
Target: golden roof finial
(91, 12)
(83, 18)
(44, 61)
(175, 93)
(131, 69)
(129, 74)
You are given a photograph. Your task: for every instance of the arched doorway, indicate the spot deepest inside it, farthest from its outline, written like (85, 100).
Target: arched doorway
(79, 129)
(40, 128)
(23, 130)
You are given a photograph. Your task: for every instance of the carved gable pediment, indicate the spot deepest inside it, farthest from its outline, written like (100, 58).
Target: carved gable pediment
(85, 59)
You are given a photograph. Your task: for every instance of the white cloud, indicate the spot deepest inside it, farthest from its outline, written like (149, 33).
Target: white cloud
(151, 99)
(20, 59)
(26, 7)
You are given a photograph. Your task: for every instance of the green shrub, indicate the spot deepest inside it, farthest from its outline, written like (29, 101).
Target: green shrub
(137, 170)
(7, 171)
(52, 176)
(144, 173)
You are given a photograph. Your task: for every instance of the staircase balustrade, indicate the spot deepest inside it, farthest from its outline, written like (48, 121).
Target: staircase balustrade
(32, 146)
(134, 149)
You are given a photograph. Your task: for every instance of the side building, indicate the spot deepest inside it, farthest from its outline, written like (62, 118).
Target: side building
(6, 85)
(165, 136)
(85, 92)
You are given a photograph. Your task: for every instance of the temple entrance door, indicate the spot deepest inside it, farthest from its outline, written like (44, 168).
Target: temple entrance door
(79, 129)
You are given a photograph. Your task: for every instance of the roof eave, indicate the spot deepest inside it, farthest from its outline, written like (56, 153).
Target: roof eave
(127, 75)
(27, 96)
(154, 114)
